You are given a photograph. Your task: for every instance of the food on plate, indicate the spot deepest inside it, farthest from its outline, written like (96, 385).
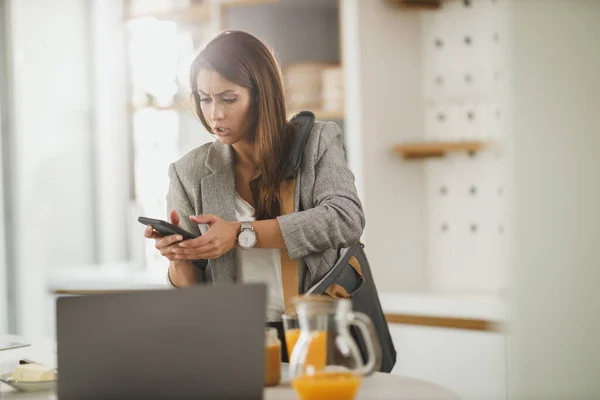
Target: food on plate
(33, 373)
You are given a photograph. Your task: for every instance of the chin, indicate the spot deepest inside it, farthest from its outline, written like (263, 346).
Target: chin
(227, 139)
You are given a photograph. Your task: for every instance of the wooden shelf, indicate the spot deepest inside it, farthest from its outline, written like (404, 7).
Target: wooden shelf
(235, 3)
(200, 12)
(470, 324)
(329, 115)
(418, 4)
(420, 150)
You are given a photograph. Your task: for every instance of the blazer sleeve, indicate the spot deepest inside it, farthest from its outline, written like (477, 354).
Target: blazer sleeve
(178, 200)
(337, 219)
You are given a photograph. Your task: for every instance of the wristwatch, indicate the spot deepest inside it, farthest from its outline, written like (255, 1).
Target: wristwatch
(247, 237)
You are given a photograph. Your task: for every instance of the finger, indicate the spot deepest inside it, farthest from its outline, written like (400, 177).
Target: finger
(168, 240)
(174, 216)
(167, 251)
(207, 255)
(198, 242)
(204, 219)
(169, 256)
(156, 235)
(194, 250)
(148, 231)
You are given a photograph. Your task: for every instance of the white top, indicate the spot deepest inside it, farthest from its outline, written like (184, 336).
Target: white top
(260, 265)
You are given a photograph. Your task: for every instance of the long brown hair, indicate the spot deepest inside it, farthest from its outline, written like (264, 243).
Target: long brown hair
(246, 61)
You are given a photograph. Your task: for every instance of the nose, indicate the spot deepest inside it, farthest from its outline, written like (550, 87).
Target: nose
(216, 111)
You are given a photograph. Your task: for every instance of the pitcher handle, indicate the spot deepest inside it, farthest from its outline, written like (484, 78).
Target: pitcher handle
(364, 324)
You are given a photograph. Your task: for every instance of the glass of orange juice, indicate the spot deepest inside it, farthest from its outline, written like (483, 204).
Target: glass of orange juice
(317, 351)
(291, 329)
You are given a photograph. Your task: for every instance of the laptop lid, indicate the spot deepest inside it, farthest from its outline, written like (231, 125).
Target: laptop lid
(203, 342)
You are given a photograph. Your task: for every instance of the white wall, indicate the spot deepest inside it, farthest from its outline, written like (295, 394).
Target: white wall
(111, 136)
(466, 195)
(3, 269)
(352, 102)
(556, 354)
(3, 272)
(382, 53)
(53, 159)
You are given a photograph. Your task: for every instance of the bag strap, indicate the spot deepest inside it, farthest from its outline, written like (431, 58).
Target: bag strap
(353, 256)
(289, 267)
(345, 255)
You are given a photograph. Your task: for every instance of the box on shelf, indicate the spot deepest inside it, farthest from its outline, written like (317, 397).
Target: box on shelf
(149, 7)
(333, 89)
(304, 85)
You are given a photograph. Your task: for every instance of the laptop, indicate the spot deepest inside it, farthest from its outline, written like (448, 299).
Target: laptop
(202, 342)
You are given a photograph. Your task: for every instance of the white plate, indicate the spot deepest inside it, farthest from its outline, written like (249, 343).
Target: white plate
(25, 386)
(9, 345)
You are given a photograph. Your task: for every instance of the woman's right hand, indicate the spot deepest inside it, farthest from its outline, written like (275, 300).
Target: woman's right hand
(182, 273)
(165, 244)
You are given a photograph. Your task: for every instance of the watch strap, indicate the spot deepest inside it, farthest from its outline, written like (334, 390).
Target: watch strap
(246, 225)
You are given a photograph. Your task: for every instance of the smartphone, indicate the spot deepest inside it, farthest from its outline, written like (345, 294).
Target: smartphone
(165, 228)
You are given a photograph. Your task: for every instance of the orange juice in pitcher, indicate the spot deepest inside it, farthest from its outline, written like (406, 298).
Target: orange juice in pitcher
(326, 363)
(327, 386)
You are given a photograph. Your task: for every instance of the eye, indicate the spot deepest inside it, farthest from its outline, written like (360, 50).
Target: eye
(230, 100)
(204, 99)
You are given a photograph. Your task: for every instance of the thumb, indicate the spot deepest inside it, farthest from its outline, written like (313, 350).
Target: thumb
(204, 219)
(174, 216)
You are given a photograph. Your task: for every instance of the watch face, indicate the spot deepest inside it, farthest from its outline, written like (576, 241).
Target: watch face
(247, 238)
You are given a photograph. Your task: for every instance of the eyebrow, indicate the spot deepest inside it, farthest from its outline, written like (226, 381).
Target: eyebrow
(217, 94)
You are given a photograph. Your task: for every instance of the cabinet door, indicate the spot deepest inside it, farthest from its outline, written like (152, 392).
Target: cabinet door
(470, 363)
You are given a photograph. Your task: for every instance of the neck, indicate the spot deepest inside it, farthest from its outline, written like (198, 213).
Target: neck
(245, 153)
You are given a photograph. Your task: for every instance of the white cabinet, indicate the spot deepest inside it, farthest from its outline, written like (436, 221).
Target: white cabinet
(470, 363)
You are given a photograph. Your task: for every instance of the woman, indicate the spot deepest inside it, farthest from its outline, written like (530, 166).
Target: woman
(233, 190)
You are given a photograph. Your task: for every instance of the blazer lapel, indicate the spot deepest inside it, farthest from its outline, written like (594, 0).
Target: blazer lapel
(218, 198)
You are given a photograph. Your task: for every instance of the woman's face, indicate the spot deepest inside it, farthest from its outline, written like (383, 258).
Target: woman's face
(225, 106)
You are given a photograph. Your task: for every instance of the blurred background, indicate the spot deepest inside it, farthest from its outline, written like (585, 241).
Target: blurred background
(472, 128)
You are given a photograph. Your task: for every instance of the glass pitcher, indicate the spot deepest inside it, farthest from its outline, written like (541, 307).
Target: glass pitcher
(326, 362)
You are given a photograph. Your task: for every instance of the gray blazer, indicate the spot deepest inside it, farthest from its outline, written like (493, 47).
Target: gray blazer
(328, 213)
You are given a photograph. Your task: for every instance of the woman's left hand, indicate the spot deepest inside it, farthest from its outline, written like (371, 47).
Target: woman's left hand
(219, 239)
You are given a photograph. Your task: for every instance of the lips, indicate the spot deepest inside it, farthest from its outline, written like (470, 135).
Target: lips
(220, 130)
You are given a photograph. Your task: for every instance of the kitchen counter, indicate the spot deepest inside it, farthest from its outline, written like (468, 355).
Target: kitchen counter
(379, 386)
(109, 277)
(123, 277)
